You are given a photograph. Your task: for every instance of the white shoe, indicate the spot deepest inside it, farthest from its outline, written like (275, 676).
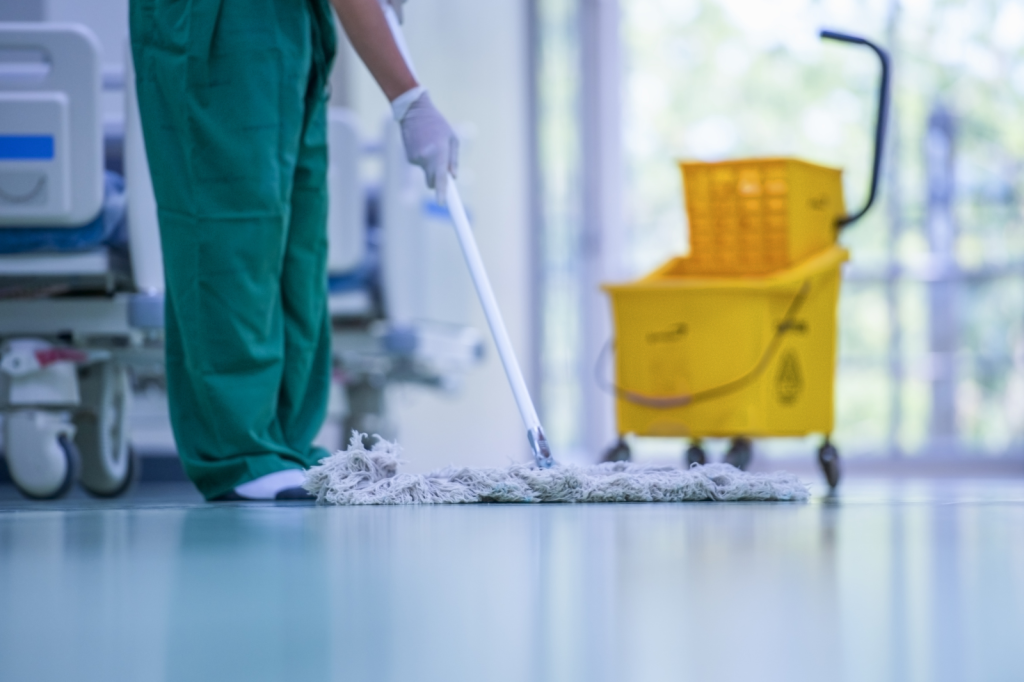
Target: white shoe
(280, 485)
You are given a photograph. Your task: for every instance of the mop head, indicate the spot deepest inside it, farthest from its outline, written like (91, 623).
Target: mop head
(361, 476)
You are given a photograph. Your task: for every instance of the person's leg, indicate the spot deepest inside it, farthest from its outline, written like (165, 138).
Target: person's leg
(221, 95)
(307, 327)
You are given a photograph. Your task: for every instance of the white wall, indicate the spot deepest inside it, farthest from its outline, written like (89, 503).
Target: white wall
(473, 57)
(108, 19)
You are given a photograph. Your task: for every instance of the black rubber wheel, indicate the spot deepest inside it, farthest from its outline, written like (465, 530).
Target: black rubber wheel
(695, 455)
(619, 452)
(828, 457)
(741, 451)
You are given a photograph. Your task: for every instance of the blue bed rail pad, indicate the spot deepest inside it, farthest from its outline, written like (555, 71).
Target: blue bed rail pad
(26, 147)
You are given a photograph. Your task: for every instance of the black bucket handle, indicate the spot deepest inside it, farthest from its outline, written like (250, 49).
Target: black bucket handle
(881, 120)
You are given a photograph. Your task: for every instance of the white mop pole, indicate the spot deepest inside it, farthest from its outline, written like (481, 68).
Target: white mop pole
(534, 431)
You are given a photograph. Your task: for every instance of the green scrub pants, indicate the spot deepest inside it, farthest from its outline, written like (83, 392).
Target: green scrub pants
(232, 98)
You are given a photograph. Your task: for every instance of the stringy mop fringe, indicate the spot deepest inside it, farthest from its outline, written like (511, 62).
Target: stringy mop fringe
(361, 476)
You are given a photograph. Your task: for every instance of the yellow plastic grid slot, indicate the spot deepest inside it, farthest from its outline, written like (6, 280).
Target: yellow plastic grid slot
(757, 216)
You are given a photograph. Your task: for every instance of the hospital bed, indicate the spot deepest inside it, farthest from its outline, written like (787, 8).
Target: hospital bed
(81, 275)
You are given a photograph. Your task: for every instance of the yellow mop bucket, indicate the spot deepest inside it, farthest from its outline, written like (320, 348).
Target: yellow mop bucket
(727, 356)
(738, 339)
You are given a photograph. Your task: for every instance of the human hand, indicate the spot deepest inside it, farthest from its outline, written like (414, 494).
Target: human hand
(430, 143)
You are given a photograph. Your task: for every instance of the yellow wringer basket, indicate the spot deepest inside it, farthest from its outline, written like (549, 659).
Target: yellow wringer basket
(738, 339)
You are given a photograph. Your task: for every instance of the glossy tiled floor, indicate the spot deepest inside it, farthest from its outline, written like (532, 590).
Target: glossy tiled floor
(894, 581)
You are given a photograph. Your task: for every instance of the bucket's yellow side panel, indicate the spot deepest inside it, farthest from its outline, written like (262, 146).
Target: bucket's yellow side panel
(799, 383)
(679, 340)
(674, 342)
(816, 202)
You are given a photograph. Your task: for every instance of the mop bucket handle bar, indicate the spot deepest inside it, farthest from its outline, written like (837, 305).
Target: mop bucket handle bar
(881, 121)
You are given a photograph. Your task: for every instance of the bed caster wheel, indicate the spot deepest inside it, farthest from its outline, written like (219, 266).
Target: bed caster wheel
(112, 483)
(101, 430)
(619, 452)
(695, 455)
(828, 457)
(740, 453)
(41, 456)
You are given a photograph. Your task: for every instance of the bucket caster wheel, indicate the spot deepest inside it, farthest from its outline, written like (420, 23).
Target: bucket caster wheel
(828, 457)
(619, 452)
(695, 455)
(740, 453)
(41, 456)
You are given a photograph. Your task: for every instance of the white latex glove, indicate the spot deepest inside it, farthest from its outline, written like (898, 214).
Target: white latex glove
(397, 6)
(430, 143)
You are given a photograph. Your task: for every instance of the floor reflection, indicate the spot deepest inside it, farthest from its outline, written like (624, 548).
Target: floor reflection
(889, 582)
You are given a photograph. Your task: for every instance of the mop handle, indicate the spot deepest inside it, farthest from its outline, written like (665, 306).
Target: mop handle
(398, 35)
(534, 431)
